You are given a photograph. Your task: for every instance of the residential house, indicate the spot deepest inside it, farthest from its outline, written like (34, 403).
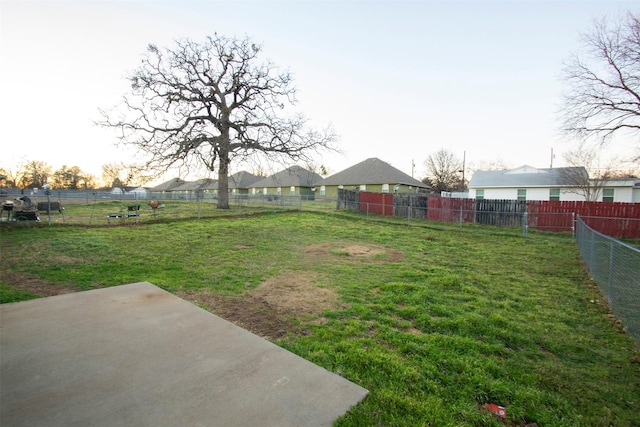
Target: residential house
(293, 181)
(200, 187)
(240, 182)
(530, 183)
(167, 185)
(371, 175)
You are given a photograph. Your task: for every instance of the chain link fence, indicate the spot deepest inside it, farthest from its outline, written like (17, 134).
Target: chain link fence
(615, 267)
(560, 225)
(105, 208)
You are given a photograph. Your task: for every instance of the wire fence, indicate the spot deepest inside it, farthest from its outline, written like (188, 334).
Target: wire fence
(615, 267)
(95, 207)
(519, 223)
(103, 208)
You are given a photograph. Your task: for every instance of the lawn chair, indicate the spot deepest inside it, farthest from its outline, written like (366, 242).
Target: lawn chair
(133, 211)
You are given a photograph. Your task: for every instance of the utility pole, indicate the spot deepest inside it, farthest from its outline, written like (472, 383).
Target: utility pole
(552, 156)
(464, 161)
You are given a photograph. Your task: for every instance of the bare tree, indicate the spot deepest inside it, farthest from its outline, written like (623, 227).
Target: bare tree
(444, 170)
(489, 165)
(72, 178)
(11, 177)
(586, 173)
(602, 97)
(121, 175)
(34, 174)
(212, 102)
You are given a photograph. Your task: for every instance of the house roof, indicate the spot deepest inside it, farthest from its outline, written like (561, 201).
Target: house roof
(294, 176)
(525, 176)
(372, 171)
(243, 179)
(199, 185)
(168, 185)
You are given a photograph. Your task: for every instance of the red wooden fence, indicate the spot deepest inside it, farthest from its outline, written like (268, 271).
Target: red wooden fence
(376, 203)
(611, 218)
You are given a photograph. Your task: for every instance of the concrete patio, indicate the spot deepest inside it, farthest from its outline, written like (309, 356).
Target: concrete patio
(136, 355)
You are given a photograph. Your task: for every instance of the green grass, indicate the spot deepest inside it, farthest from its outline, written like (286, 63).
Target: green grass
(464, 318)
(11, 294)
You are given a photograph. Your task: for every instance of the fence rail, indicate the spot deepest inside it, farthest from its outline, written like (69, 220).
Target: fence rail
(615, 267)
(614, 219)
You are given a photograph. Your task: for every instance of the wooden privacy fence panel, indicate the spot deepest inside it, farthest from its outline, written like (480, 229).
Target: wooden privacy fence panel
(614, 227)
(377, 203)
(611, 218)
(410, 205)
(348, 200)
(615, 219)
(504, 213)
(602, 209)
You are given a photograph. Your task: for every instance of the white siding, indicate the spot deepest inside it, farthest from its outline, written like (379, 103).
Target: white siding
(532, 194)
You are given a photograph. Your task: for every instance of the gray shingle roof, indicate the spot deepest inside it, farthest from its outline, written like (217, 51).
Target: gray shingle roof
(524, 176)
(295, 176)
(372, 171)
(168, 185)
(243, 179)
(199, 185)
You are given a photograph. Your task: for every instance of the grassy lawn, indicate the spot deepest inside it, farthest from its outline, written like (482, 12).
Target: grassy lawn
(435, 322)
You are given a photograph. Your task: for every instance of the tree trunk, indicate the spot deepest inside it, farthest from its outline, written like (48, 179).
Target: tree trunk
(223, 181)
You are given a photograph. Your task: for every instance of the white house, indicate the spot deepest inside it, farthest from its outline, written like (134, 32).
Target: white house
(529, 183)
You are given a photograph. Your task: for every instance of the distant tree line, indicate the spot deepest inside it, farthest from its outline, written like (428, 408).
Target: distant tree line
(35, 174)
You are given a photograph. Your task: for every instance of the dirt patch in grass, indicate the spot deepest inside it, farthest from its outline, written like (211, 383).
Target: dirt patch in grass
(282, 305)
(358, 252)
(34, 284)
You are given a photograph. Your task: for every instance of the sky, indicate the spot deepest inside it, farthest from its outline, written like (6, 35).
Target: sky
(397, 80)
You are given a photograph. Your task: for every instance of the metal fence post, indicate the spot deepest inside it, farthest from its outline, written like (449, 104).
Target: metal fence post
(48, 206)
(611, 272)
(525, 225)
(198, 199)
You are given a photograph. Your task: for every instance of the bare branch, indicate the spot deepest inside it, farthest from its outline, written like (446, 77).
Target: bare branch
(209, 104)
(444, 170)
(602, 97)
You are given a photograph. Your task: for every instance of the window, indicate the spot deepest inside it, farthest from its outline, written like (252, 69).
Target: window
(363, 187)
(323, 190)
(554, 194)
(292, 190)
(385, 188)
(607, 195)
(522, 194)
(480, 194)
(279, 191)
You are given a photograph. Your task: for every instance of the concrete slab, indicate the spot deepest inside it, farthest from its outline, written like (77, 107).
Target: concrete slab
(136, 355)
